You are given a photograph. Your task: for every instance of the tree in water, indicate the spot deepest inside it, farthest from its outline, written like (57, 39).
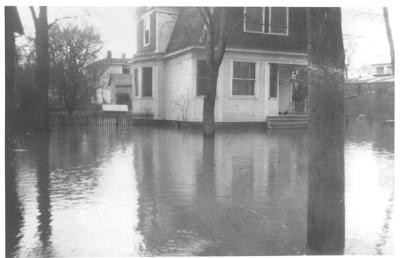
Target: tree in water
(326, 127)
(215, 38)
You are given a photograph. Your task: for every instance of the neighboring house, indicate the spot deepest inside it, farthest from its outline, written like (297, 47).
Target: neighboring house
(376, 98)
(113, 79)
(265, 54)
(382, 69)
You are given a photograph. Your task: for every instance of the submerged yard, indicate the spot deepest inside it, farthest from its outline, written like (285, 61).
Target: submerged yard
(84, 191)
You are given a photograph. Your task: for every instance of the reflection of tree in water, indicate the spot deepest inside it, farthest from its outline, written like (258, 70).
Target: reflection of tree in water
(77, 155)
(43, 187)
(14, 210)
(148, 210)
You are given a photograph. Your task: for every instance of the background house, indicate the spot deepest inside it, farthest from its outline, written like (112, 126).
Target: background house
(114, 80)
(257, 78)
(382, 69)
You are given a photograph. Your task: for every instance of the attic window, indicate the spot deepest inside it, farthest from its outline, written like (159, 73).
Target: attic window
(266, 20)
(146, 30)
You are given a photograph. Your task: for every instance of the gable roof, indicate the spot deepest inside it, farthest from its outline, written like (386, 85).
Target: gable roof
(187, 30)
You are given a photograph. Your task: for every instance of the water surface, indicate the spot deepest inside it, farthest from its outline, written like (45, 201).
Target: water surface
(160, 191)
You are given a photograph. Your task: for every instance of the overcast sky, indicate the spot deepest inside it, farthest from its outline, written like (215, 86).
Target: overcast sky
(364, 27)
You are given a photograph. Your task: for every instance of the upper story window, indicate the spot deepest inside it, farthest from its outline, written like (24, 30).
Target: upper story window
(267, 20)
(201, 77)
(244, 78)
(126, 69)
(146, 30)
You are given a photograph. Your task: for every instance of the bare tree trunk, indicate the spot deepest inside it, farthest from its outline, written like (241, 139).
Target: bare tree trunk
(389, 36)
(326, 146)
(209, 103)
(215, 21)
(13, 207)
(41, 122)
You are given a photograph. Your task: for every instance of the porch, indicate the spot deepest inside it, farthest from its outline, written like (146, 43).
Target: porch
(292, 98)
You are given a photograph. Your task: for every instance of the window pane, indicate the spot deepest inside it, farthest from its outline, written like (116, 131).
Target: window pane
(244, 70)
(136, 82)
(243, 87)
(266, 19)
(273, 87)
(146, 29)
(279, 20)
(146, 82)
(254, 19)
(201, 77)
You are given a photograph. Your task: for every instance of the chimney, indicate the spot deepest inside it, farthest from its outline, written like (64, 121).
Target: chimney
(123, 55)
(109, 55)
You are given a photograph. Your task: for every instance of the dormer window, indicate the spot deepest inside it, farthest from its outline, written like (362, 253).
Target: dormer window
(266, 20)
(146, 30)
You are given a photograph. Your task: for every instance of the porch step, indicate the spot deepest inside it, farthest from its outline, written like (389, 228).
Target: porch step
(287, 121)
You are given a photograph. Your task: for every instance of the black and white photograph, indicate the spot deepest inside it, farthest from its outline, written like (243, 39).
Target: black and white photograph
(198, 129)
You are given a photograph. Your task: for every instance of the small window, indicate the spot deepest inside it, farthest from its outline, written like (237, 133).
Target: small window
(126, 69)
(147, 81)
(243, 81)
(136, 83)
(146, 30)
(267, 20)
(201, 77)
(273, 81)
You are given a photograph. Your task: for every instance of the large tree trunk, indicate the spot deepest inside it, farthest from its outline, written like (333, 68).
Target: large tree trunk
(326, 146)
(13, 207)
(215, 20)
(389, 36)
(209, 103)
(41, 119)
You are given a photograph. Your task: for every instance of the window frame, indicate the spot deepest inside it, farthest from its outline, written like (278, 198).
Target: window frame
(269, 23)
(146, 22)
(254, 96)
(143, 82)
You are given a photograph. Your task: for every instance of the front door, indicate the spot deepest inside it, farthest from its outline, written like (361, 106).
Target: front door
(285, 90)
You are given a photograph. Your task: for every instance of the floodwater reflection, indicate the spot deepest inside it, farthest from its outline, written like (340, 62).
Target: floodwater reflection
(161, 191)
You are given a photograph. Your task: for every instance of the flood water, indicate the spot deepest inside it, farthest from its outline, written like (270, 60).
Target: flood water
(149, 191)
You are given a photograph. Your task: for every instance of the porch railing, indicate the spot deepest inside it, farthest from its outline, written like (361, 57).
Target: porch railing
(299, 106)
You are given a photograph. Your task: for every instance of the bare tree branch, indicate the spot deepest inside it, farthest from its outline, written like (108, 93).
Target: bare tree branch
(68, 17)
(34, 16)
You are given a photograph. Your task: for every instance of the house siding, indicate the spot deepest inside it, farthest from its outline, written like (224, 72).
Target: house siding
(178, 83)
